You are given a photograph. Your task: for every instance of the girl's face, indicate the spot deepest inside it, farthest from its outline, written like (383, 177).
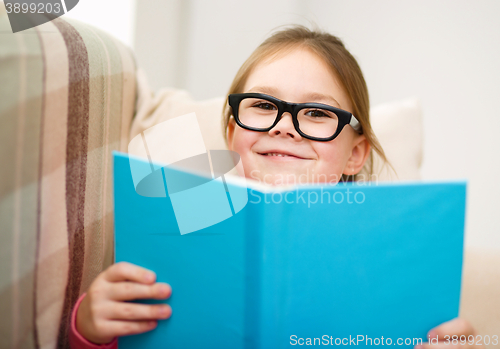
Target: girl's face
(299, 76)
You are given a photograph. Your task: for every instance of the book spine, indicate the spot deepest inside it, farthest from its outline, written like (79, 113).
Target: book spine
(274, 273)
(253, 274)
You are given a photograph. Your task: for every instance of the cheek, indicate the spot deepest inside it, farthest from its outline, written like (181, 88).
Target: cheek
(333, 156)
(242, 141)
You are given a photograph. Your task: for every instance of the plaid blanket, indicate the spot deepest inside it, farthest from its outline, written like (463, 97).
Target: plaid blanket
(68, 95)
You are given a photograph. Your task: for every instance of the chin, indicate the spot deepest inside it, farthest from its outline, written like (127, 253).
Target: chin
(279, 178)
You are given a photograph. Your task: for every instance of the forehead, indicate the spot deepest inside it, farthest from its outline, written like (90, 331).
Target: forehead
(295, 75)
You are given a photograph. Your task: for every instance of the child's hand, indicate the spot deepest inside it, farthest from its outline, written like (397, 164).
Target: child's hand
(450, 335)
(104, 313)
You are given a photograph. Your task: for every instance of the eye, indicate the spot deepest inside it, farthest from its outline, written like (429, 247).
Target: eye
(265, 106)
(318, 113)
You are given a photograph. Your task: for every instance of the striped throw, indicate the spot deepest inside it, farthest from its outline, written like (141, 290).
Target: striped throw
(67, 99)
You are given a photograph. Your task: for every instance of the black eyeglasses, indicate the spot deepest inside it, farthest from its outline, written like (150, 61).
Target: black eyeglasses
(315, 121)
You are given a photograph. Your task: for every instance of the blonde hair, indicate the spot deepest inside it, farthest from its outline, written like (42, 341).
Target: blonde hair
(333, 52)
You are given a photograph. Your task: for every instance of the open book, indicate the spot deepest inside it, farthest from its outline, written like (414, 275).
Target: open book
(324, 265)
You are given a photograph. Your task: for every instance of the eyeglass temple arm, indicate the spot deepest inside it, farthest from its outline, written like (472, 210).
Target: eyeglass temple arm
(355, 124)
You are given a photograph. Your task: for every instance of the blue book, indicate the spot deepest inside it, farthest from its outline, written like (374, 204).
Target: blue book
(321, 265)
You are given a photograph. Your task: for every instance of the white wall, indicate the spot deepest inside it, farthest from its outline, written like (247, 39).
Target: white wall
(445, 52)
(199, 45)
(117, 17)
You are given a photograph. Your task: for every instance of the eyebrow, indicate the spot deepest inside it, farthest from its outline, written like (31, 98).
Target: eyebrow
(310, 97)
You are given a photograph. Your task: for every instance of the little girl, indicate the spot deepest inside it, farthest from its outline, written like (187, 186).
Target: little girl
(298, 107)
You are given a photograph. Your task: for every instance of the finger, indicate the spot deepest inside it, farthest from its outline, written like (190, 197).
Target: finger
(456, 327)
(124, 328)
(134, 311)
(124, 271)
(125, 291)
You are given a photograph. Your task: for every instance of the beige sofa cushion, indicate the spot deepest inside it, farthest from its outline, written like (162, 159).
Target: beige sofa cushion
(480, 302)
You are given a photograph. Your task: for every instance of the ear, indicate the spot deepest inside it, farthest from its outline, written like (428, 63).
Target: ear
(230, 133)
(359, 154)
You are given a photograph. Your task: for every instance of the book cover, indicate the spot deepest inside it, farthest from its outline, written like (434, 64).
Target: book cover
(329, 265)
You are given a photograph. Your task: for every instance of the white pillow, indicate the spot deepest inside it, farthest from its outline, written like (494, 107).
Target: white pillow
(398, 126)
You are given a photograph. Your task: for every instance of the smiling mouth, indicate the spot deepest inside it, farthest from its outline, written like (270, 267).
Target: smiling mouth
(290, 156)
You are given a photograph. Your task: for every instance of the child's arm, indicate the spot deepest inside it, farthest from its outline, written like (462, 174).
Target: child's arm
(104, 312)
(460, 328)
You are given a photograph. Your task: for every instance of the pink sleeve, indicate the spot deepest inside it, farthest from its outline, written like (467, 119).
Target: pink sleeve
(76, 340)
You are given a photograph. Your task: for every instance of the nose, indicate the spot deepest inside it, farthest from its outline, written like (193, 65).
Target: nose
(285, 128)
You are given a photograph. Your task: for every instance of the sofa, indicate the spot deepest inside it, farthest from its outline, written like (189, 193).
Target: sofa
(69, 95)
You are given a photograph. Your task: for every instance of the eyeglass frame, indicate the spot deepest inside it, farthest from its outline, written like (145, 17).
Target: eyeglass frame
(344, 117)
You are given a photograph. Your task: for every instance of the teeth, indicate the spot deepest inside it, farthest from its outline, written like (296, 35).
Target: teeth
(276, 154)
